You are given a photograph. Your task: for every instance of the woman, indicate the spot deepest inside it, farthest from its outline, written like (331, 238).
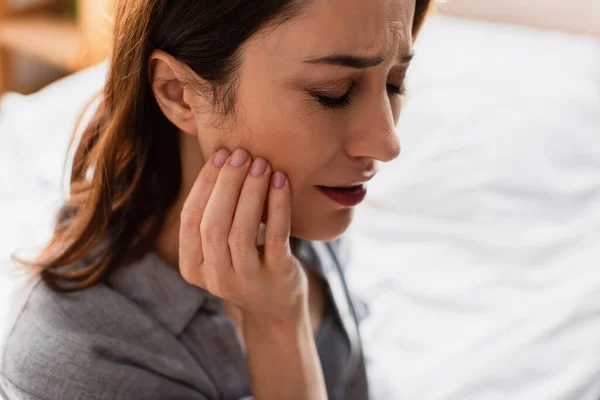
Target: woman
(218, 118)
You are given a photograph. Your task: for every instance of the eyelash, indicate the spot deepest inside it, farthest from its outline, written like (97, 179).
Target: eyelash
(340, 103)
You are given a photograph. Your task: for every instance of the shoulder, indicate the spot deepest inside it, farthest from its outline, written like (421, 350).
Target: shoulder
(89, 344)
(50, 337)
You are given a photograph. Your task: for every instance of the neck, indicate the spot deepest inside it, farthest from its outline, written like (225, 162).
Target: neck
(167, 243)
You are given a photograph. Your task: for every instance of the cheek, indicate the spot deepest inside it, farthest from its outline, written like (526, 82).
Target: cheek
(299, 154)
(299, 146)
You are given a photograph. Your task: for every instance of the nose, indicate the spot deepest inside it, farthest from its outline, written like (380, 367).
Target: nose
(372, 132)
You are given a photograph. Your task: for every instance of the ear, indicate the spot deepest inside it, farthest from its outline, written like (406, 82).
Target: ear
(168, 77)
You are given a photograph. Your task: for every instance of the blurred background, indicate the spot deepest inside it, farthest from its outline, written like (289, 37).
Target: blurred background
(478, 249)
(42, 40)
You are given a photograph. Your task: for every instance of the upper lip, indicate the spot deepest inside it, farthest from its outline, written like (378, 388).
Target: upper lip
(355, 182)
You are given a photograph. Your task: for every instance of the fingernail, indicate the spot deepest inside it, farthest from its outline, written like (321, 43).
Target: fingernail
(278, 180)
(258, 167)
(239, 157)
(220, 158)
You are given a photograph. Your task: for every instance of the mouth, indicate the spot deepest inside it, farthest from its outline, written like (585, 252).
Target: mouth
(347, 196)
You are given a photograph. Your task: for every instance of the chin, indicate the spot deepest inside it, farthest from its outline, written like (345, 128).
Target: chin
(323, 228)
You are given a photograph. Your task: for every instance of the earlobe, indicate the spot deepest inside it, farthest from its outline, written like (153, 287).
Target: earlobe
(168, 77)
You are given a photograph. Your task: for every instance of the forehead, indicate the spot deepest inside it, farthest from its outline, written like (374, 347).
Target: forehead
(358, 27)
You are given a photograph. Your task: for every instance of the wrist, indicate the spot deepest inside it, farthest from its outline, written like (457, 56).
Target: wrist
(282, 357)
(296, 321)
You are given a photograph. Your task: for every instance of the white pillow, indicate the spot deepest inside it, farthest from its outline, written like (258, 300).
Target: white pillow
(479, 248)
(34, 136)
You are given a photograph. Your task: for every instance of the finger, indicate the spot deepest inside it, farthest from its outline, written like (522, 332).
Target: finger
(190, 239)
(244, 229)
(279, 213)
(220, 209)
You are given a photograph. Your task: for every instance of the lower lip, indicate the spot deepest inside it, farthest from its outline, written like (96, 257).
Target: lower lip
(346, 197)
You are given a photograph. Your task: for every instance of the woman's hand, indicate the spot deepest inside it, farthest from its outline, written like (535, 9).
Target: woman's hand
(218, 251)
(218, 238)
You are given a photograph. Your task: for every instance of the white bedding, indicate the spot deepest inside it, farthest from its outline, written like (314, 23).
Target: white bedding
(479, 247)
(483, 265)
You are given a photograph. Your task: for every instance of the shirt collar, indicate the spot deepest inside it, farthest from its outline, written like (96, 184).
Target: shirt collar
(306, 253)
(160, 290)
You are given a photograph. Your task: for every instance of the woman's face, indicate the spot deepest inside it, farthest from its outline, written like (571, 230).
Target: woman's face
(282, 113)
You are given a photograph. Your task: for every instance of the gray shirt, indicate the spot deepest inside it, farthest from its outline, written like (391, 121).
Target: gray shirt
(145, 333)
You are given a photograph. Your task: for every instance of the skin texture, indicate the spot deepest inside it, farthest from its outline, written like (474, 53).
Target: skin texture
(278, 119)
(211, 231)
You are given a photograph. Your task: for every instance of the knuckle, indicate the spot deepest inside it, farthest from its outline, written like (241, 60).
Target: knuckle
(276, 238)
(190, 221)
(231, 177)
(279, 204)
(211, 178)
(240, 239)
(213, 233)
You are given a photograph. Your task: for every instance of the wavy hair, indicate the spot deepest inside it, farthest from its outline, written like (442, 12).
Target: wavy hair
(130, 149)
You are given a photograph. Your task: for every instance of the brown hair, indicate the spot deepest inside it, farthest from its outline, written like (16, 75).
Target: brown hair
(129, 148)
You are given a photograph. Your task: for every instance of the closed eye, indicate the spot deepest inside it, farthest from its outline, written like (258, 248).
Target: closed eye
(334, 103)
(344, 101)
(400, 90)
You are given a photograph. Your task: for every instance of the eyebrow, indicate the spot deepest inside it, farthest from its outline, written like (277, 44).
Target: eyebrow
(354, 61)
